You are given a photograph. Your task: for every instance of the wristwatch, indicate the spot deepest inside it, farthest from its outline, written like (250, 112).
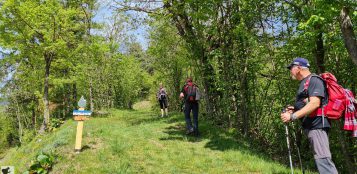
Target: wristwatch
(293, 117)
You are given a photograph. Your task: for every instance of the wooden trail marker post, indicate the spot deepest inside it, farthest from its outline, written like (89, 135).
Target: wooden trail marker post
(80, 115)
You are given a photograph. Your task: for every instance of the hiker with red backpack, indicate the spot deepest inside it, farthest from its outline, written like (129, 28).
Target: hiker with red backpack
(162, 98)
(191, 96)
(310, 97)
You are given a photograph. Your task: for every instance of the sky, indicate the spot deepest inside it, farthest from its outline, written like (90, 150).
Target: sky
(105, 11)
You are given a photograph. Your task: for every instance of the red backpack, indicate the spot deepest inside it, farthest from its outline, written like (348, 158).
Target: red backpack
(341, 102)
(191, 91)
(336, 105)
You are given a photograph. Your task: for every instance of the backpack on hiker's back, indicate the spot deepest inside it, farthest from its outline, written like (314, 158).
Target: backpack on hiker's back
(341, 102)
(162, 94)
(192, 92)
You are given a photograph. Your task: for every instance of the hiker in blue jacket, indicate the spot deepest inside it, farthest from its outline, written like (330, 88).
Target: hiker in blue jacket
(315, 127)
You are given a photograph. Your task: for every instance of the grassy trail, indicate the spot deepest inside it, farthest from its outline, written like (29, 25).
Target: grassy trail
(138, 141)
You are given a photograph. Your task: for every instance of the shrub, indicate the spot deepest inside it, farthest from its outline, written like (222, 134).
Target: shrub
(42, 164)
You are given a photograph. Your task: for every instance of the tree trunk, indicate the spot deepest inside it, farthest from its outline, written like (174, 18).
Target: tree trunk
(46, 114)
(19, 120)
(208, 83)
(186, 30)
(74, 95)
(33, 119)
(66, 101)
(177, 75)
(244, 95)
(348, 35)
(320, 52)
(91, 95)
(130, 105)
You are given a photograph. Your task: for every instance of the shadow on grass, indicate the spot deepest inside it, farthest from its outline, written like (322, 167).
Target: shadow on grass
(150, 117)
(222, 140)
(175, 118)
(218, 139)
(86, 147)
(178, 132)
(141, 117)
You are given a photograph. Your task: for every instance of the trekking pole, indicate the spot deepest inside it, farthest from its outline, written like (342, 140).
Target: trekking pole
(288, 143)
(298, 150)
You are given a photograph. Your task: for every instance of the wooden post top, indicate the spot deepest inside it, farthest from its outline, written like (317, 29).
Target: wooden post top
(80, 118)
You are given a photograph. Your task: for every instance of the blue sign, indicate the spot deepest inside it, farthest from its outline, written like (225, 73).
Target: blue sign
(82, 112)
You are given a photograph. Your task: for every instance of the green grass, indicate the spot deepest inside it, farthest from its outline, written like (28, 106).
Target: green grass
(138, 141)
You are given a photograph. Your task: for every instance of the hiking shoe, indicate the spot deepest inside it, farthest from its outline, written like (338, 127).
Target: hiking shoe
(190, 131)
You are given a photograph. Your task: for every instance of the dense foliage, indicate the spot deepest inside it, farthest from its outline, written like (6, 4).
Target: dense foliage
(51, 54)
(237, 52)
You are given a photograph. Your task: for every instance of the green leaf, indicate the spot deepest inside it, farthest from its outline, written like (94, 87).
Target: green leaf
(41, 171)
(42, 158)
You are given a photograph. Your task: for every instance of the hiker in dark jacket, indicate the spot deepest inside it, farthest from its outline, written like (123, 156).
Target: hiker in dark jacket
(190, 95)
(162, 98)
(315, 127)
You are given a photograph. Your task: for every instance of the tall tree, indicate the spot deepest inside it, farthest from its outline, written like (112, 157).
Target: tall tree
(47, 29)
(349, 36)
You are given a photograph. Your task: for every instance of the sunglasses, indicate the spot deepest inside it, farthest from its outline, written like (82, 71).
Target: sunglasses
(293, 67)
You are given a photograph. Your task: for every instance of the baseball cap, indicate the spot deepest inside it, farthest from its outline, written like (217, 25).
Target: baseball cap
(300, 62)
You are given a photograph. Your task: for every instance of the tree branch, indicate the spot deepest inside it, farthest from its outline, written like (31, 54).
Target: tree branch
(123, 7)
(32, 28)
(296, 7)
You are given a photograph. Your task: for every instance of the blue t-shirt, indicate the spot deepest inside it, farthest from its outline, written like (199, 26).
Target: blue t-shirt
(316, 88)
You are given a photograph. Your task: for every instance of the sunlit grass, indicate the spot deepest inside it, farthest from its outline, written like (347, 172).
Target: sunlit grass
(137, 141)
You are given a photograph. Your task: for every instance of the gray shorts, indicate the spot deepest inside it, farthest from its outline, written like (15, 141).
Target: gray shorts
(319, 143)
